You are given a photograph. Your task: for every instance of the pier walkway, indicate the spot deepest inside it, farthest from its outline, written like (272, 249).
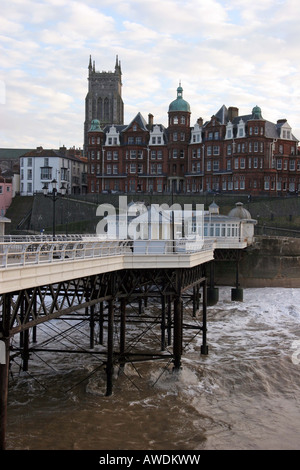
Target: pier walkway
(42, 278)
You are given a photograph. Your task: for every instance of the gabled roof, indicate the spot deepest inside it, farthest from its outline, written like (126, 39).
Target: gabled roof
(141, 122)
(222, 115)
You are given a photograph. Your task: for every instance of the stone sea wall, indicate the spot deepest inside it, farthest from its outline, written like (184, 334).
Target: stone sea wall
(269, 262)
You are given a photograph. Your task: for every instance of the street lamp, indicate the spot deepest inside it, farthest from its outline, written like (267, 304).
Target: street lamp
(54, 196)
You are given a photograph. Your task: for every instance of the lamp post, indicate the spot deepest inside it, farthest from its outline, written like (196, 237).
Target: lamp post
(54, 196)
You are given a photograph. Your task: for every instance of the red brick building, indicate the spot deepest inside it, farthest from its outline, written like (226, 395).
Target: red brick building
(229, 153)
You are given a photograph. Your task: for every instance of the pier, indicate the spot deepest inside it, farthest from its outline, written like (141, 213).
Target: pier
(43, 278)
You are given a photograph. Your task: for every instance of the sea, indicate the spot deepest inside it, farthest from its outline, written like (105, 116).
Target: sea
(243, 395)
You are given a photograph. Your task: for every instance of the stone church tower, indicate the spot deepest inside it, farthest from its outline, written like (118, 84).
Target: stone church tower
(104, 98)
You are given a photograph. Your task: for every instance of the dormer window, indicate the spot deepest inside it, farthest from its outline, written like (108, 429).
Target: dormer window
(229, 131)
(112, 137)
(156, 136)
(241, 129)
(196, 134)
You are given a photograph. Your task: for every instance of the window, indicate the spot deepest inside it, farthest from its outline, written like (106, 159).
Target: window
(174, 136)
(229, 149)
(138, 140)
(208, 165)
(130, 140)
(182, 119)
(132, 154)
(153, 154)
(255, 162)
(132, 167)
(29, 174)
(216, 150)
(46, 173)
(115, 169)
(243, 163)
(46, 161)
(116, 155)
(140, 168)
(216, 165)
(175, 120)
(228, 165)
(209, 150)
(1, 189)
(29, 161)
(292, 165)
(108, 155)
(236, 163)
(108, 169)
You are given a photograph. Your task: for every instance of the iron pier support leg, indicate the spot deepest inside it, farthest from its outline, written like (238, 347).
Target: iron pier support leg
(177, 342)
(92, 326)
(169, 323)
(163, 323)
(237, 292)
(204, 347)
(194, 297)
(25, 341)
(25, 352)
(122, 333)
(4, 367)
(110, 348)
(101, 324)
(213, 292)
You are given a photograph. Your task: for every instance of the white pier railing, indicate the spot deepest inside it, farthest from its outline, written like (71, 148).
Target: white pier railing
(42, 250)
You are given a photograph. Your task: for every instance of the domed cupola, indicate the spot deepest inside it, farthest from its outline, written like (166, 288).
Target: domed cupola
(239, 211)
(179, 104)
(95, 126)
(256, 113)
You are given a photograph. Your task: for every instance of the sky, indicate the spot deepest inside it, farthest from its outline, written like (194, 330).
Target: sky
(224, 52)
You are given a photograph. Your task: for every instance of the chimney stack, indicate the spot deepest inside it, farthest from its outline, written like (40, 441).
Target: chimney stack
(232, 113)
(150, 120)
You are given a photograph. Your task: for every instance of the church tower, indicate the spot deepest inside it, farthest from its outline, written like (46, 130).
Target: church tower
(104, 98)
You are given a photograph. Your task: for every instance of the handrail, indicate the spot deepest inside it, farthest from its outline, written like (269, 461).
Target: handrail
(43, 251)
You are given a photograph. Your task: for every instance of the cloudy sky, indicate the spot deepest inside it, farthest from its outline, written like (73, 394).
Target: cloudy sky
(235, 52)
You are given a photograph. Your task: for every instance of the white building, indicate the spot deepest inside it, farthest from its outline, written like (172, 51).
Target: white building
(41, 166)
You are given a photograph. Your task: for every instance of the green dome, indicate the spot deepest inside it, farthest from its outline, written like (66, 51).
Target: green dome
(179, 104)
(95, 126)
(256, 112)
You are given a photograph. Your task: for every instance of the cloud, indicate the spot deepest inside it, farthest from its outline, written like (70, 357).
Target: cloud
(225, 52)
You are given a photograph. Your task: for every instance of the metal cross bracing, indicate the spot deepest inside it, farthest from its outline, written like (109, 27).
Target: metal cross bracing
(124, 307)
